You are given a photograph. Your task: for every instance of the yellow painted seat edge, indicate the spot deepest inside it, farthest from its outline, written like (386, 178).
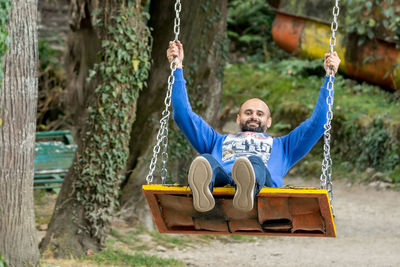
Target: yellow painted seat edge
(291, 190)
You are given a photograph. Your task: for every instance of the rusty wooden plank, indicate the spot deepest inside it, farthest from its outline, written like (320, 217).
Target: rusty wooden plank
(308, 222)
(234, 214)
(206, 225)
(247, 225)
(155, 211)
(273, 209)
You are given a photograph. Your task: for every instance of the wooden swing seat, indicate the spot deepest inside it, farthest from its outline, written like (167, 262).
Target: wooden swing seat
(287, 211)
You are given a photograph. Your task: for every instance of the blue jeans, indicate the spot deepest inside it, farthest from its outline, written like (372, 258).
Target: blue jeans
(221, 178)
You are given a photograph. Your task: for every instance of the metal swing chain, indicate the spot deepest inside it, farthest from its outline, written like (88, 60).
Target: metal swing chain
(162, 135)
(326, 176)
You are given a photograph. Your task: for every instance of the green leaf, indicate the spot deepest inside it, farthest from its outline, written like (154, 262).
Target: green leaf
(371, 22)
(105, 43)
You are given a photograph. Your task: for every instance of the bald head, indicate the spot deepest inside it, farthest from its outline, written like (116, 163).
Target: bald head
(254, 115)
(255, 102)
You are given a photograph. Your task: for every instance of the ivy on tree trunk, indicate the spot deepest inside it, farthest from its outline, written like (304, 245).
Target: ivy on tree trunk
(89, 195)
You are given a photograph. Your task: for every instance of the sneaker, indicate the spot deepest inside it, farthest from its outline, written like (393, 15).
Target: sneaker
(245, 179)
(200, 175)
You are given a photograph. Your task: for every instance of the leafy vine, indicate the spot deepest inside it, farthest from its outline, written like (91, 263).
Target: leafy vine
(5, 6)
(123, 72)
(3, 261)
(373, 18)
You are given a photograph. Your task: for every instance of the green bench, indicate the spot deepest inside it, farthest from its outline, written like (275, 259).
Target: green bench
(54, 153)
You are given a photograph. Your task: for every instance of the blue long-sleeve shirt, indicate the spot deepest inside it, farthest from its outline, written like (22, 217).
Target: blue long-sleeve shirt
(279, 154)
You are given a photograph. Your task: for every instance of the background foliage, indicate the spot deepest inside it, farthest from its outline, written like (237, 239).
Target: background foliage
(5, 6)
(249, 29)
(3, 262)
(370, 19)
(51, 113)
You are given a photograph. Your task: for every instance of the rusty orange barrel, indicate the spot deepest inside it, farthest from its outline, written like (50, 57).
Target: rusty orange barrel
(374, 61)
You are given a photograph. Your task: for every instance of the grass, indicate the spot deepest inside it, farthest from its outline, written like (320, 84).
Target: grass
(129, 237)
(113, 257)
(127, 247)
(172, 241)
(117, 257)
(44, 205)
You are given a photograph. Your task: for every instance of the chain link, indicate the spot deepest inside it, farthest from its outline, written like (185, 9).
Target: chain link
(162, 135)
(326, 176)
(177, 20)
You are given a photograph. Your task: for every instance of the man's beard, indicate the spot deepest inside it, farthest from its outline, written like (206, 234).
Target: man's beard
(246, 128)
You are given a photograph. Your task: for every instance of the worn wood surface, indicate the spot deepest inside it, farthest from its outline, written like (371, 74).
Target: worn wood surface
(277, 211)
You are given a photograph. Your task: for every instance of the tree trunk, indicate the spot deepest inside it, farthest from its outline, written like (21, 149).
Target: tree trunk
(83, 46)
(90, 191)
(18, 98)
(203, 34)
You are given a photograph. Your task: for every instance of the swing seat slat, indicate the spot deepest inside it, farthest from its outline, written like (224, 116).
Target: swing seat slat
(288, 211)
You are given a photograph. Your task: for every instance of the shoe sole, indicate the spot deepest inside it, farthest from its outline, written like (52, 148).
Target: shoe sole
(200, 175)
(244, 177)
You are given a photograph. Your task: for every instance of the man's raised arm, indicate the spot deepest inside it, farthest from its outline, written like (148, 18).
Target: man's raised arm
(300, 141)
(197, 131)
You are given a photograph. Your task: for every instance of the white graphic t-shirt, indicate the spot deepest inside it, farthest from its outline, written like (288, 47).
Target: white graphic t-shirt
(245, 144)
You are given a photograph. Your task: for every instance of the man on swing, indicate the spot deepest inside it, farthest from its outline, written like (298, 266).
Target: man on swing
(249, 159)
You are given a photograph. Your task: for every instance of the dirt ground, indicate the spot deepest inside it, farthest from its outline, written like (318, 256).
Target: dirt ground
(367, 224)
